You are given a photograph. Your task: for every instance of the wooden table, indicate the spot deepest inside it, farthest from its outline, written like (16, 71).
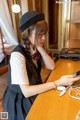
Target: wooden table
(49, 105)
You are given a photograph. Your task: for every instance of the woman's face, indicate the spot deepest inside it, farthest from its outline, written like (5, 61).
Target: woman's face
(41, 39)
(38, 33)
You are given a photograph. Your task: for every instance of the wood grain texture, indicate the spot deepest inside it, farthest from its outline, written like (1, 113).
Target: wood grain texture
(48, 105)
(1, 109)
(3, 70)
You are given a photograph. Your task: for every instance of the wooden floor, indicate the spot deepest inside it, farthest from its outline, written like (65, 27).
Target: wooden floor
(1, 110)
(3, 82)
(3, 69)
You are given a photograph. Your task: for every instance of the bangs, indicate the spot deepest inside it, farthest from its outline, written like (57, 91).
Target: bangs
(41, 27)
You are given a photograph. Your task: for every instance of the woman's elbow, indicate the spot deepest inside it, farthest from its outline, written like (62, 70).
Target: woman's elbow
(26, 95)
(52, 67)
(25, 90)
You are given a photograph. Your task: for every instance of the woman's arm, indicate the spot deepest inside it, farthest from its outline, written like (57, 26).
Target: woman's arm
(18, 69)
(30, 90)
(19, 77)
(48, 61)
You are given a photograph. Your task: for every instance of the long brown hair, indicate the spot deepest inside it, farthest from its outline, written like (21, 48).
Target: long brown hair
(40, 28)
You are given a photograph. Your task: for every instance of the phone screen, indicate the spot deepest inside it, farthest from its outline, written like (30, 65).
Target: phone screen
(77, 74)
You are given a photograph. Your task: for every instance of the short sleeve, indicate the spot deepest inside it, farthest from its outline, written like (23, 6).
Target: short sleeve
(18, 69)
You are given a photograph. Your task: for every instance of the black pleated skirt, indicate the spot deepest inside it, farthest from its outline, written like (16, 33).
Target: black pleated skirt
(16, 105)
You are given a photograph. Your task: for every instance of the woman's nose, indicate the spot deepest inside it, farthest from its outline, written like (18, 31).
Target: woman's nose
(43, 36)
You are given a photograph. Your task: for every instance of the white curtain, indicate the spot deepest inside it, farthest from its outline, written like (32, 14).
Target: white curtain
(24, 5)
(6, 24)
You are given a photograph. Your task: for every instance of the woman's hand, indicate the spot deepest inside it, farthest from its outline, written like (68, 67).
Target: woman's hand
(67, 80)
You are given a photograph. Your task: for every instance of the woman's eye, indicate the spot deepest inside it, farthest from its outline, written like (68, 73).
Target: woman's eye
(41, 35)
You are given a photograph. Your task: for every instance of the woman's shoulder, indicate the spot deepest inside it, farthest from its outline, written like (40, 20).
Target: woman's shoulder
(19, 48)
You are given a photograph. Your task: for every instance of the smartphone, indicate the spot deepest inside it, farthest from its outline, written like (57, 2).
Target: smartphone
(76, 74)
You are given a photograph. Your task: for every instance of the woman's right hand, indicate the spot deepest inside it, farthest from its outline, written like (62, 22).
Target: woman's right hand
(67, 80)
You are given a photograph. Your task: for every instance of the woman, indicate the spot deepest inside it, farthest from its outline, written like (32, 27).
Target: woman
(24, 82)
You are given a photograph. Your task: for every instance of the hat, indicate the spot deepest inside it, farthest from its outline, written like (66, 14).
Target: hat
(29, 18)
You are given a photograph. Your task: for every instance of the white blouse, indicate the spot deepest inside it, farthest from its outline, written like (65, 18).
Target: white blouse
(18, 69)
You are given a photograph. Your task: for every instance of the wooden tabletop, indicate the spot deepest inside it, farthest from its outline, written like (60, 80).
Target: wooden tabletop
(49, 105)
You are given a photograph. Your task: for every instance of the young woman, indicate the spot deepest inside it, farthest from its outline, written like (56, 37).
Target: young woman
(24, 80)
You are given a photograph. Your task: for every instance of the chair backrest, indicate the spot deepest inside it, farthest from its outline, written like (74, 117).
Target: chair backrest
(1, 39)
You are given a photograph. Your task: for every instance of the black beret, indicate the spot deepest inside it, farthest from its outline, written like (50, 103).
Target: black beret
(29, 18)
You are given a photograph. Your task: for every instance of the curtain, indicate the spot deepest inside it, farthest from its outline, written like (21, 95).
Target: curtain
(6, 24)
(24, 5)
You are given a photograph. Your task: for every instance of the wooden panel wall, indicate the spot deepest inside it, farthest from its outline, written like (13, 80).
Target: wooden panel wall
(53, 24)
(38, 5)
(74, 36)
(35, 5)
